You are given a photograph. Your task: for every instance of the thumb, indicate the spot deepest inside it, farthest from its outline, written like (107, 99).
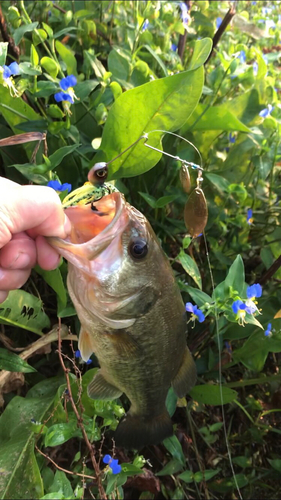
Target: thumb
(36, 209)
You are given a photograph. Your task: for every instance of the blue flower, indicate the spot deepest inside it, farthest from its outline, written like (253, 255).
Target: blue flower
(145, 25)
(268, 331)
(231, 138)
(184, 13)
(266, 10)
(8, 71)
(218, 22)
(66, 84)
(250, 216)
(77, 354)
(59, 187)
(265, 58)
(174, 47)
(196, 312)
(254, 291)
(255, 68)
(89, 361)
(240, 309)
(254, 3)
(242, 56)
(113, 464)
(264, 113)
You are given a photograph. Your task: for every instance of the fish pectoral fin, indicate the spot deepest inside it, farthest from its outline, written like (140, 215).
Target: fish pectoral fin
(99, 388)
(186, 376)
(85, 345)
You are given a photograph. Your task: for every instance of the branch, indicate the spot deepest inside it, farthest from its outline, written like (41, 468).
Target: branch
(225, 22)
(271, 271)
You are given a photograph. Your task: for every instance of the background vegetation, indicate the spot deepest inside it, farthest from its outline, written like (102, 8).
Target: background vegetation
(131, 59)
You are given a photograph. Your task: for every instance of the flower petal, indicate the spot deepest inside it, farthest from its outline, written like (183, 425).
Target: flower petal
(6, 72)
(54, 185)
(189, 307)
(14, 68)
(106, 459)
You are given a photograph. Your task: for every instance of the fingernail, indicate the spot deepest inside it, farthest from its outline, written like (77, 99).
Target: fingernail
(67, 225)
(21, 261)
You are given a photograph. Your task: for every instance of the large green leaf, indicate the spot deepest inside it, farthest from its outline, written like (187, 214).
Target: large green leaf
(20, 475)
(24, 310)
(68, 58)
(161, 104)
(211, 394)
(214, 118)
(15, 110)
(11, 362)
(24, 28)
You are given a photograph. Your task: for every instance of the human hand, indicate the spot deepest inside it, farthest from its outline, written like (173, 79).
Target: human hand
(27, 214)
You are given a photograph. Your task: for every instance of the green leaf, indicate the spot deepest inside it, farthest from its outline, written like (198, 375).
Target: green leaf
(45, 89)
(236, 275)
(160, 104)
(157, 58)
(27, 69)
(171, 401)
(149, 199)
(206, 475)
(20, 475)
(214, 118)
(20, 32)
(60, 433)
(165, 200)
(227, 484)
(55, 281)
(118, 65)
(13, 363)
(48, 29)
(199, 297)
(211, 394)
(131, 470)
(65, 30)
(68, 58)
(24, 310)
(218, 181)
(201, 51)
(173, 446)
(170, 468)
(190, 267)
(186, 476)
(83, 89)
(244, 461)
(3, 52)
(57, 157)
(15, 110)
(254, 352)
(62, 485)
(50, 66)
(39, 36)
(275, 463)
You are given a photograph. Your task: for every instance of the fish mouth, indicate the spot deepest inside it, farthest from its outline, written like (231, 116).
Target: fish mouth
(94, 227)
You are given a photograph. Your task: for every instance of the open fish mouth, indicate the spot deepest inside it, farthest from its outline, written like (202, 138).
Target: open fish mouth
(94, 227)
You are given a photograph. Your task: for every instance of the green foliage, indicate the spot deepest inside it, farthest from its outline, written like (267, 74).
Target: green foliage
(131, 82)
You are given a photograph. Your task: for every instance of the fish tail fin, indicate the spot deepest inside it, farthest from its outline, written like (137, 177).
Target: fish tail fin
(136, 431)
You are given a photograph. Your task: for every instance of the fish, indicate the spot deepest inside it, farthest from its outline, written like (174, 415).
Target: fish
(131, 312)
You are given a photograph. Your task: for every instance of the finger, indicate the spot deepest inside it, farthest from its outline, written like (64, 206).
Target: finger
(19, 253)
(31, 207)
(3, 296)
(47, 257)
(11, 279)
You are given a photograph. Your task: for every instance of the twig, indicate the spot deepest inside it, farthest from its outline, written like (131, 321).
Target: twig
(12, 48)
(225, 22)
(271, 271)
(80, 422)
(61, 468)
(182, 38)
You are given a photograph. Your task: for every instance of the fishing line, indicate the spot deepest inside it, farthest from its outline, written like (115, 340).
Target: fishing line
(216, 309)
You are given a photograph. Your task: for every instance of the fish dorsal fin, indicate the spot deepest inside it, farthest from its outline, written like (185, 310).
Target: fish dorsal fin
(99, 388)
(186, 376)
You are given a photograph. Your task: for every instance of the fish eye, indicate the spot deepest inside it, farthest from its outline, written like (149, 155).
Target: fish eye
(98, 173)
(138, 248)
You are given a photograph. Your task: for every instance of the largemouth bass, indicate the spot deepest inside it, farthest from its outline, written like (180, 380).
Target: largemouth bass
(131, 312)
